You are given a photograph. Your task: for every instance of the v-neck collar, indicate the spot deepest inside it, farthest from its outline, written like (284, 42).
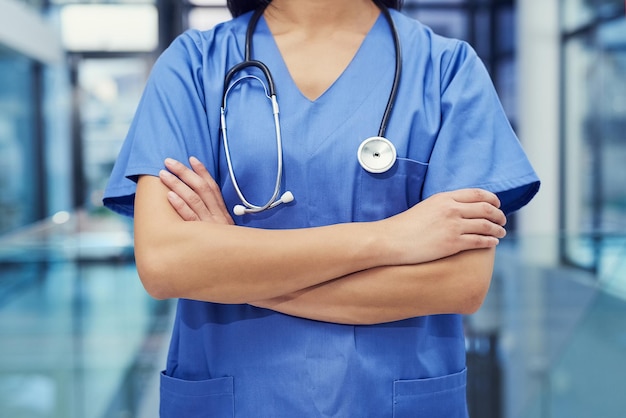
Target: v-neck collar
(283, 76)
(355, 101)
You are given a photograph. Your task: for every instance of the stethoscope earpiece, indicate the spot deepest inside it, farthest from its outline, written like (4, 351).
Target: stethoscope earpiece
(376, 154)
(241, 210)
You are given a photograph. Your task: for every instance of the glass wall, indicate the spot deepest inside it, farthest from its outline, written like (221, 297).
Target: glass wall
(111, 47)
(18, 110)
(489, 26)
(57, 149)
(109, 90)
(579, 13)
(594, 116)
(34, 118)
(204, 14)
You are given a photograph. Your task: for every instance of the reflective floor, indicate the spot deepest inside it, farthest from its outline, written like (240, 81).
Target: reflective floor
(79, 335)
(80, 338)
(561, 335)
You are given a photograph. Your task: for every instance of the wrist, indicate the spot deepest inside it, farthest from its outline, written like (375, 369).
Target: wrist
(374, 245)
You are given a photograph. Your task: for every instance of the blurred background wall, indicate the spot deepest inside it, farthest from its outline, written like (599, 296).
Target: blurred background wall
(80, 338)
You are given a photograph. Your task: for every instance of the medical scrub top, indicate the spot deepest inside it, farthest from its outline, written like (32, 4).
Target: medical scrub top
(450, 132)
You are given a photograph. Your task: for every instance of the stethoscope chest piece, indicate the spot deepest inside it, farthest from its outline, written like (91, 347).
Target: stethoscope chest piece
(376, 154)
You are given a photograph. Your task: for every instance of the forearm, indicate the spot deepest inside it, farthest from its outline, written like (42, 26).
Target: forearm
(231, 264)
(456, 284)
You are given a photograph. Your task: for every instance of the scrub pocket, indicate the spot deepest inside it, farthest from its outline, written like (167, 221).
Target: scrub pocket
(386, 194)
(439, 397)
(196, 399)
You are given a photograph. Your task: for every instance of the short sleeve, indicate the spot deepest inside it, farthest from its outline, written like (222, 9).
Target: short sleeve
(170, 121)
(476, 146)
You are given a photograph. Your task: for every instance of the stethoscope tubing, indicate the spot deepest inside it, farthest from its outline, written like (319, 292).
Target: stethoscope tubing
(398, 70)
(249, 207)
(270, 92)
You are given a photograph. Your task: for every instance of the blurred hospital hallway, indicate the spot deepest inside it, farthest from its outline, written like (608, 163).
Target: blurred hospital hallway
(80, 337)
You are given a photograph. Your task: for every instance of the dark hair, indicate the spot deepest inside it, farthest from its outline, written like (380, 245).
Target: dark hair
(239, 7)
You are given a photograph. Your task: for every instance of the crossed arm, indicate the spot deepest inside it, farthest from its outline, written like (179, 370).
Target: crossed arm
(436, 257)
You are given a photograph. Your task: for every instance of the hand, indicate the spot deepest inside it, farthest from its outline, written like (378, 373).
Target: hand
(443, 225)
(193, 193)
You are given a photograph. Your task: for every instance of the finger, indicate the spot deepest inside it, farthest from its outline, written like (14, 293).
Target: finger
(172, 182)
(192, 200)
(482, 227)
(483, 210)
(181, 171)
(183, 210)
(201, 171)
(207, 191)
(475, 195)
(475, 242)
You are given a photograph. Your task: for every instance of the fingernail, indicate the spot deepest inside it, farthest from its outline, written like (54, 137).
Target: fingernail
(164, 173)
(170, 161)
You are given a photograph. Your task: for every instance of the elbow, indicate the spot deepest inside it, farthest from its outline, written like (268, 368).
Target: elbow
(156, 288)
(153, 275)
(164, 277)
(475, 273)
(474, 295)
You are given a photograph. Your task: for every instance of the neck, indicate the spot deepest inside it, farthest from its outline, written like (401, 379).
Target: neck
(314, 15)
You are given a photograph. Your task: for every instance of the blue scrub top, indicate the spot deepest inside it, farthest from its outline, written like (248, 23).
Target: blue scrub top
(450, 132)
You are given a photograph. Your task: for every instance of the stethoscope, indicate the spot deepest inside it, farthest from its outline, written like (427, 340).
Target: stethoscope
(375, 154)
